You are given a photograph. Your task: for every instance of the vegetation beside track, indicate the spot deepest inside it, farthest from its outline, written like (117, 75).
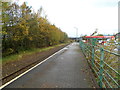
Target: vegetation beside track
(20, 55)
(24, 30)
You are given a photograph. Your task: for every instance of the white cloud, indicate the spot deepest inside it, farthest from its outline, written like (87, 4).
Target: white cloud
(86, 15)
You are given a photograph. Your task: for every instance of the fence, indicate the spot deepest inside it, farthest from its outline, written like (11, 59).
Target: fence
(103, 61)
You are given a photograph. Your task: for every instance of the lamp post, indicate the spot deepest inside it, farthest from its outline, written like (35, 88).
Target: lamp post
(76, 32)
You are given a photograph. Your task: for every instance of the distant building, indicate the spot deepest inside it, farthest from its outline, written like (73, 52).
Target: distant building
(101, 39)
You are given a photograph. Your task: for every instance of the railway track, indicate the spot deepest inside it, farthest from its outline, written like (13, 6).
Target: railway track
(27, 67)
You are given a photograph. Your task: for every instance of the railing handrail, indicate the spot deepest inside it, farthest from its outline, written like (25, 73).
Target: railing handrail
(99, 67)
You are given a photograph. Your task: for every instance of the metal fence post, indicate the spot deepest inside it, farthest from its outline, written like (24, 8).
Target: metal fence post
(101, 68)
(93, 51)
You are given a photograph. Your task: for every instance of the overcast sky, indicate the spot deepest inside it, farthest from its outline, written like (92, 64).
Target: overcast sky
(86, 15)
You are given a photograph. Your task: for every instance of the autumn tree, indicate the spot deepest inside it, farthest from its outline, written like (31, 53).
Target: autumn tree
(24, 29)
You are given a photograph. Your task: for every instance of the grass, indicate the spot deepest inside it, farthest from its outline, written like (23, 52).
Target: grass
(19, 56)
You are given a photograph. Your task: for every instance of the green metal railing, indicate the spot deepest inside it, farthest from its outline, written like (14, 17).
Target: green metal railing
(103, 61)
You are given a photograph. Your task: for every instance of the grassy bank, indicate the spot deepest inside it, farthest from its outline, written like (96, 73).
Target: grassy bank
(19, 56)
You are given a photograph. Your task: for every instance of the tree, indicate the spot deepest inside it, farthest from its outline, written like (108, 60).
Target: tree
(100, 35)
(24, 29)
